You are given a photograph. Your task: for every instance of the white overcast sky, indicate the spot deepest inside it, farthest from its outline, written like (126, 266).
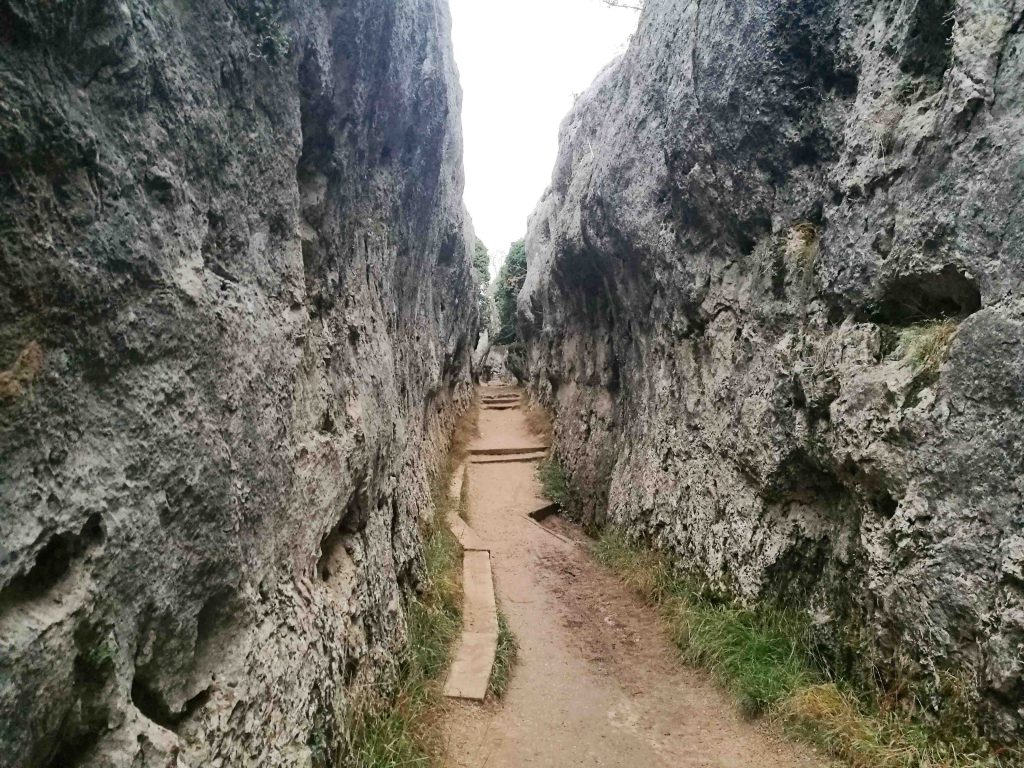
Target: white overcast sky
(520, 63)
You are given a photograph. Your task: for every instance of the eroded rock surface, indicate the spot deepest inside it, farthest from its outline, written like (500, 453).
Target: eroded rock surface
(775, 298)
(236, 314)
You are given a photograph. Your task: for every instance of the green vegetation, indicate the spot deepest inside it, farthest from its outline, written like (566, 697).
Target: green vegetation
(510, 282)
(765, 657)
(759, 655)
(482, 267)
(926, 345)
(265, 20)
(505, 658)
(399, 732)
(552, 481)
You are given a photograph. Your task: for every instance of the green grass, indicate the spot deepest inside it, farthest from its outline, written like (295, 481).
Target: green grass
(759, 655)
(553, 482)
(764, 657)
(400, 732)
(508, 650)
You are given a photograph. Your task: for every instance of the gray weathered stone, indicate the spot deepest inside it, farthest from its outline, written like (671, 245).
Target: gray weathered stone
(236, 313)
(750, 209)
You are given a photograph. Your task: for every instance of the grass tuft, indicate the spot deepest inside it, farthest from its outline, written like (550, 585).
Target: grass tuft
(553, 482)
(26, 368)
(508, 650)
(801, 245)
(926, 345)
(757, 655)
(764, 656)
(538, 420)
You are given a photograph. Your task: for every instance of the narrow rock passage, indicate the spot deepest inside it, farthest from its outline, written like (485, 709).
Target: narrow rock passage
(597, 682)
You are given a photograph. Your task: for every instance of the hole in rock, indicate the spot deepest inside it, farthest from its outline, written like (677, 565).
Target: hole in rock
(334, 557)
(448, 248)
(927, 48)
(886, 505)
(88, 718)
(799, 397)
(933, 296)
(152, 705)
(796, 572)
(844, 83)
(213, 619)
(802, 479)
(327, 423)
(53, 562)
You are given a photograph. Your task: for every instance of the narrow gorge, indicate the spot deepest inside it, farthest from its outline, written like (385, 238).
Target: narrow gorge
(774, 300)
(761, 353)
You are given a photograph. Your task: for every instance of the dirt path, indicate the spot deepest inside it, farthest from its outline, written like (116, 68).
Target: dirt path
(597, 682)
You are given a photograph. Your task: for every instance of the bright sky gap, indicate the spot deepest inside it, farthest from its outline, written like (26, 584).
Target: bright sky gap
(521, 65)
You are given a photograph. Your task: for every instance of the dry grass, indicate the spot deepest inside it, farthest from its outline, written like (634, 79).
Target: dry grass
(801, 245)
(16, 379)
(466, 430)
(538, 420)
(927, 345)
(868, 732)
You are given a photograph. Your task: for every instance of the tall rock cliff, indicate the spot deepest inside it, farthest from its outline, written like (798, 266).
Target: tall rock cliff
(236, 314)
(776, 299)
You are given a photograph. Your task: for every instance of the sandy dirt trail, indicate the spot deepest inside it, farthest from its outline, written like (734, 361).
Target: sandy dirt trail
(597, 682)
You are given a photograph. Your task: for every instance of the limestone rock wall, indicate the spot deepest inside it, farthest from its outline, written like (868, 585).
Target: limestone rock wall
(775, 300)
(236, 314)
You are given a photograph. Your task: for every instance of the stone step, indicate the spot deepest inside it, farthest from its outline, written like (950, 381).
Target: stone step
(511, 458)
(470, 672)
(468, 539)
(508, 451)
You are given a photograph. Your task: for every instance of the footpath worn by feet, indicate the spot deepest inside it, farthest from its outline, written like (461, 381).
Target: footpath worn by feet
(470, 671)
(597, 682)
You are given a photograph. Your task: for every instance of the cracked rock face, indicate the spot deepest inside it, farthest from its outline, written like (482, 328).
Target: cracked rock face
(775, 298)
(236, 315)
